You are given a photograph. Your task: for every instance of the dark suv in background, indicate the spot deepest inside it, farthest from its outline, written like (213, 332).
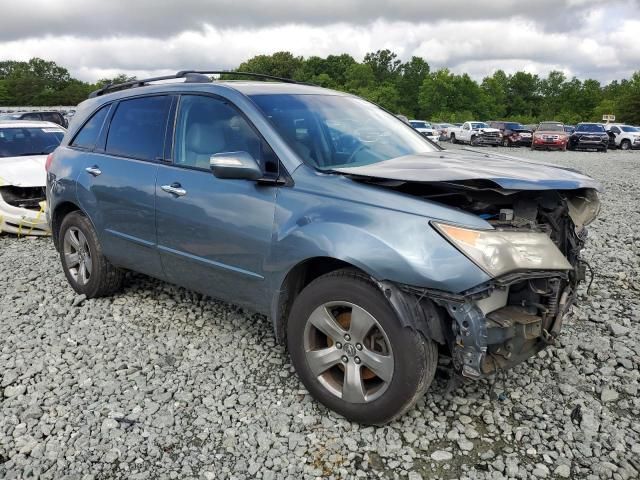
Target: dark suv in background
(53, 117)
(513, 134)
(589, 136)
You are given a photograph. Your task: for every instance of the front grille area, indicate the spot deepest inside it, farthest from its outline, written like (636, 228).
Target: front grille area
(23, 197)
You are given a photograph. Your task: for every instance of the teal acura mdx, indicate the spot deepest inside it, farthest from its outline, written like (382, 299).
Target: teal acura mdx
(372, 250)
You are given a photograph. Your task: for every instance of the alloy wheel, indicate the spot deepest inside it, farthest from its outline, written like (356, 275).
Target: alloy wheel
(77, 255)
(348, 352)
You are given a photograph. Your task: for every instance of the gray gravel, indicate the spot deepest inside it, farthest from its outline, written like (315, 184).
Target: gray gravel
(159, 382)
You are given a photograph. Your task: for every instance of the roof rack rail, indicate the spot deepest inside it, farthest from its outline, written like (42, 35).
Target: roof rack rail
(190, 76)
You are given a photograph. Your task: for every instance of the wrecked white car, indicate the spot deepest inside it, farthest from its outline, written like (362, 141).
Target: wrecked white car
(24, 147)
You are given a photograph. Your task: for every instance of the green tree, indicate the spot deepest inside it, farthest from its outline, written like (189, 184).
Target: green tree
(413, 75)
(279, 64)
(384, 63)
(494, 95)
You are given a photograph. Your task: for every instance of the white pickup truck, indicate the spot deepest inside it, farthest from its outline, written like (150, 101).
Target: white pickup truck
(625, 137)
(475, 133)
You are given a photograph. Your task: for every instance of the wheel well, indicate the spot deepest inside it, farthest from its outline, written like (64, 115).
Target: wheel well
(58, 215)
(296, 280)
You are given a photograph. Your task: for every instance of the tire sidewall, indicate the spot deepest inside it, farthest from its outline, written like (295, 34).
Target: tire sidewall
(407, 345)
(82, 223)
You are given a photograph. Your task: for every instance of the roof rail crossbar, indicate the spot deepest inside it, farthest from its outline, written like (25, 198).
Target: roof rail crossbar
(189, 75)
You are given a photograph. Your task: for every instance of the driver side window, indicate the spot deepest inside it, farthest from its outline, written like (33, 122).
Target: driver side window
(206, 126)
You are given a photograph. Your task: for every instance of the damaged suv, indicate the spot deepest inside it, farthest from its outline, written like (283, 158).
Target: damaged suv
(372, 250)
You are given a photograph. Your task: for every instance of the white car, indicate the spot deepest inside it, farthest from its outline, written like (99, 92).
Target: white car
(24, 147)
(426, 129)
(476, 133)
(625, 137)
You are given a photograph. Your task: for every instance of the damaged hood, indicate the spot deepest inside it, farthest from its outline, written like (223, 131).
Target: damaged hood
(471, 167)
(27, 171)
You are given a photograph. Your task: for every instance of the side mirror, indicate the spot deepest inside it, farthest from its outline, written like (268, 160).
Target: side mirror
(236, 165)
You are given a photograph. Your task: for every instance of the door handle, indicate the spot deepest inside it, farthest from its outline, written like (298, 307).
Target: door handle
(175, 189)
(95, 171)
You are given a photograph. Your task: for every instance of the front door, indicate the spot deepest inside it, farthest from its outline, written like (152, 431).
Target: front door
(214, 234)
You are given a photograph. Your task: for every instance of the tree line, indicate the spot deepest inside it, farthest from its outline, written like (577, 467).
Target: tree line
(411, 88)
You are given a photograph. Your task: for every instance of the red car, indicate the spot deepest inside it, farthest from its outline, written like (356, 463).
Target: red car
(550, 136)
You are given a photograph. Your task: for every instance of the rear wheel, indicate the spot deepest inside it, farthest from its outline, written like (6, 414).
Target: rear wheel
(351, 352)
(86, 268)
(625, 145)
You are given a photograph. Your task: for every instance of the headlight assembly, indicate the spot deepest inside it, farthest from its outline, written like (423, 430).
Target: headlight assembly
(502, 251)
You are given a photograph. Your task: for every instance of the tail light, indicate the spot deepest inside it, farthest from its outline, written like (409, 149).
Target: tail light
(47, 164)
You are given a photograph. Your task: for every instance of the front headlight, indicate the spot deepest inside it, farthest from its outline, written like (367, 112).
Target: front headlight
(501, 251)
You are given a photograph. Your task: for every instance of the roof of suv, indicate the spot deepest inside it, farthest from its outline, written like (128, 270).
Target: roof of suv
(242, 86)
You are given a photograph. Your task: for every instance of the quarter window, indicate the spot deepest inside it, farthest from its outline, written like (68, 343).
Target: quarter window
(138, 126)
(207, 126)
(88, 134)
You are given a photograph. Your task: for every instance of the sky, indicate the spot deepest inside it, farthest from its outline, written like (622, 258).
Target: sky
(97, 39)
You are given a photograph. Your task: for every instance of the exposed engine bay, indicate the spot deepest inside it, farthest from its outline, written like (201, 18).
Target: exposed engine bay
(510, 318)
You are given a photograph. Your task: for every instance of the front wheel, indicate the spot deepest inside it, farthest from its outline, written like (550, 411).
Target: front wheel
(86, 268)
(625, 145)
(351, 352)
(506, 143)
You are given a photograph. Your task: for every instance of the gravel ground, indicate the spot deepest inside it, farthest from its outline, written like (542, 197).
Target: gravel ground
(159, 382)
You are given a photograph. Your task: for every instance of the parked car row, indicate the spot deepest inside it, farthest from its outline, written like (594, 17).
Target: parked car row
(61, 118)
(546, 135)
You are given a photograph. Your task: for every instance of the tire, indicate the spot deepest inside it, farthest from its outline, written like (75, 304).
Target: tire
(604, 149)
(473, 141)
(98, 277)
(625, 145)
(412, 358)
(453, 138)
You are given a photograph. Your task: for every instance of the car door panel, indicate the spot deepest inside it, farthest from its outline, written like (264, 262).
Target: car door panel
(214, 238)
(118, 190)
(214, 234)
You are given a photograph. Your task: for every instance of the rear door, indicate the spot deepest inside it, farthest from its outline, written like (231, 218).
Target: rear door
(116, 185)
(214, 234)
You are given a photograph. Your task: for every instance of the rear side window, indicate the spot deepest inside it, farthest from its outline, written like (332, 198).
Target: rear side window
(88, 134)
(138, 126)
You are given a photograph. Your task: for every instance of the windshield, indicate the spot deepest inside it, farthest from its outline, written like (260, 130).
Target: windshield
(419, 124)
(551, 127)
(590, 127)
(330, 131)
(479, 125)
(18, 142)
(514, 126)
(630, 129)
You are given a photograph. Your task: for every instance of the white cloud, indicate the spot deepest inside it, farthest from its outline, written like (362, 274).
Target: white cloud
(582, 38)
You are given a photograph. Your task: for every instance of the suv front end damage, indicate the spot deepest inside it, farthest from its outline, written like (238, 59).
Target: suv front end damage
(520, 311)
(531, 251)
(22, 210)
